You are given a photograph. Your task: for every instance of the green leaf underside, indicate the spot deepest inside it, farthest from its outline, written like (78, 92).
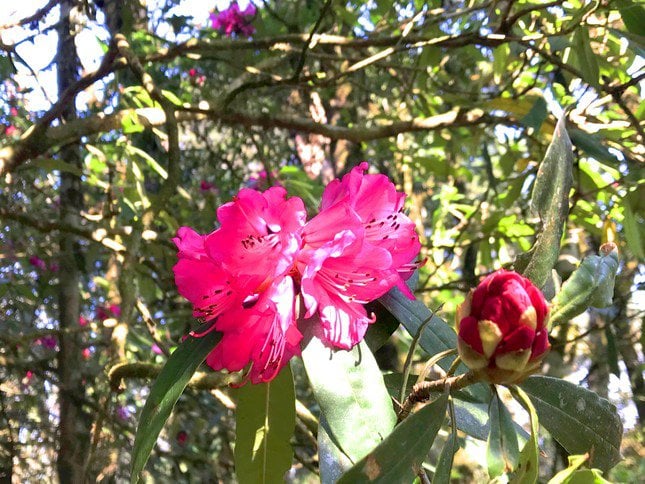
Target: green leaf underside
(264, 422)
(165, 392)
(550, 200)
(332, 462)
(349, 389)
(503, 452)
(437, 336)
(591, 284)
(401, 454)
(577, 418)
(528, 466)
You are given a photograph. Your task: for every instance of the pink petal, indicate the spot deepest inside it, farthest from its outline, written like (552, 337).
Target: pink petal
(469, 332)
(206, 285)
(264, 335)
(189, 243)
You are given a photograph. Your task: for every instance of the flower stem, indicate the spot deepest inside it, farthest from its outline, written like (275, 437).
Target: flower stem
(421, 391)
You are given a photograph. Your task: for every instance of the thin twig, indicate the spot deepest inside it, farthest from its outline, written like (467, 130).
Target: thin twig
(421, 392)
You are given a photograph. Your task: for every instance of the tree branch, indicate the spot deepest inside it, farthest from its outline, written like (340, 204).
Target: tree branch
(199, 381)
(39, 139)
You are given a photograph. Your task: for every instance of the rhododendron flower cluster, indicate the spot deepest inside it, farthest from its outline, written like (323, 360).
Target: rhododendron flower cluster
(234, 21)
(266, 268)
(502, 328)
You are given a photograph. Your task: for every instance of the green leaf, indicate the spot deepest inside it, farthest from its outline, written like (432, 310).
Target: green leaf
(528, 466)
(264, 423)
(587, 476)
(152, 163)
(446, 457)
(633, 222)
(576, 18)
(536, 116)
(378, 333)
(612, 351)
(403, 451)
(52, 164)
(575, 461)
(633, 16)
(592, 146)
(502, 452)
(500, 62)
(131, 124)
(349, 388)
(332, 462)
(437, 336)
(577, 418)
(591, 284)
(585, 58)
(550, 200)
(165, 392)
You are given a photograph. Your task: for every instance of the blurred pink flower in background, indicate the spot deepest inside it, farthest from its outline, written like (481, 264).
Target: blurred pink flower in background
(82, 321)
(38, 263)
(48, 342)
(10, 130)
(107, 312)
(155, 349)
(182, 437)
(234, 21)
(205, 186)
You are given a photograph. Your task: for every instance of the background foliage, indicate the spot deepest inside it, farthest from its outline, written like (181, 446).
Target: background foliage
(163, 118)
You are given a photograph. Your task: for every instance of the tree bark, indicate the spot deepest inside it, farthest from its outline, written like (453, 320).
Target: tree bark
(73, 428)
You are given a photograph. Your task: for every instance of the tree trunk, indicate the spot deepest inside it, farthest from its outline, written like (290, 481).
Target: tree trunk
(73, 427)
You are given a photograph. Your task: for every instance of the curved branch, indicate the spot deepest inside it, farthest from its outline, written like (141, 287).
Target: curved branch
(39, 139)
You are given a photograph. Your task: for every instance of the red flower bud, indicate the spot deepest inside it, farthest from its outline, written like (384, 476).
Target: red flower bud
(502, 328)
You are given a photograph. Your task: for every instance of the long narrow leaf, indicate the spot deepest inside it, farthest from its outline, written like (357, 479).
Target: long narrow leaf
(550, 200)
(165, 392)
(349, 388)
(398, 457)
(265, 420)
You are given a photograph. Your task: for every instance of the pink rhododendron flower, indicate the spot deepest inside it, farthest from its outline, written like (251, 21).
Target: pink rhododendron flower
(86, 353)
(234, 21)
(13, 111)
(205, 186)
(48, 342)
(10, 130)
(82, 321)
(107, 312)
(182, 437)
(38, 263)
(250, 274)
